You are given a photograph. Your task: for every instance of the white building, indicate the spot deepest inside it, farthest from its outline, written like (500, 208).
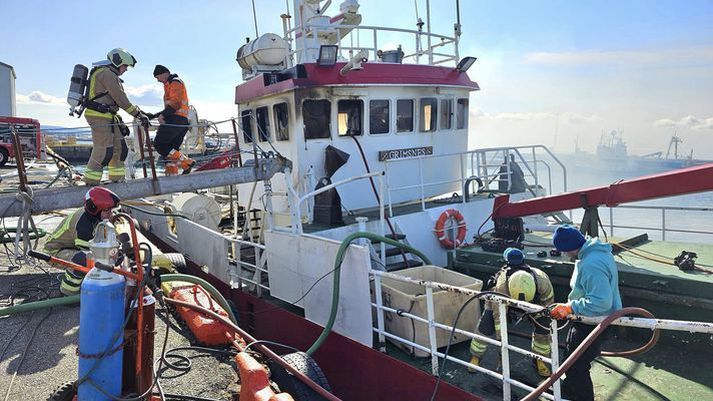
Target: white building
(7, 90)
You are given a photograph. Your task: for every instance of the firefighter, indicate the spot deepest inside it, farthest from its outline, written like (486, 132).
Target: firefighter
(174, 122)
(70, 240)
(595, 292)
(522, 282)
(105, 96)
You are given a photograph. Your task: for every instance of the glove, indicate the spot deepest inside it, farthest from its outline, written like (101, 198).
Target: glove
(144, 119)
(151, 116)
(561, 311)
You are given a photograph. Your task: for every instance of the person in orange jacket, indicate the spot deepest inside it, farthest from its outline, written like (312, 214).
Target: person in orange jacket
(174, 122)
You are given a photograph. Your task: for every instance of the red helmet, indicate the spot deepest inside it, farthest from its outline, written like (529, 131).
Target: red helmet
(98, 199)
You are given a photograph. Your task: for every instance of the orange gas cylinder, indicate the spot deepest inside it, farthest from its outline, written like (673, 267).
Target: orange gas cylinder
(207, 330)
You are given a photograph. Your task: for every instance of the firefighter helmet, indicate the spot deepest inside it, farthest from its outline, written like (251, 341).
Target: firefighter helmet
(522, 286)
(98, 199)
(119, 57)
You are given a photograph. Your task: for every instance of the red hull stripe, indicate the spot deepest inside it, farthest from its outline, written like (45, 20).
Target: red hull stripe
(376, 74)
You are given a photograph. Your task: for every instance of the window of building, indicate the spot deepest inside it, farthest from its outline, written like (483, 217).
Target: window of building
(462, 114)
(404, 115)
(446, 113)
(282, 121)
(429, 113)
(262, 119)
(316, 115)
(247, 126)
(350, 117)
(379, 117)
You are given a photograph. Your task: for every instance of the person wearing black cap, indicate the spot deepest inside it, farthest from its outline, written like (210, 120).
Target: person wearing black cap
(595, 292)
(174, 122)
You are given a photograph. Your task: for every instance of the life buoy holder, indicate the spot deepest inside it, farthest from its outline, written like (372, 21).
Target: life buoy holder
(441, 230)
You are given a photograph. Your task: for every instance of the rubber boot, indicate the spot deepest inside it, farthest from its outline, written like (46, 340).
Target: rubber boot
(171, 168)
(475, 361)
(187, 164)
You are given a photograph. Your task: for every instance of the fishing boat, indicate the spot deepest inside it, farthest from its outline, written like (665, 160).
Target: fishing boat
(368, 226)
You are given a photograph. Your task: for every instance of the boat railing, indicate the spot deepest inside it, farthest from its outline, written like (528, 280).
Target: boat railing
(493, 168)
(439, 49)
(665, 225)
(505, 347)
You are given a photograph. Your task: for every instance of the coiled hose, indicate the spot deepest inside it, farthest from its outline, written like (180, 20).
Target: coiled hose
(598, 330)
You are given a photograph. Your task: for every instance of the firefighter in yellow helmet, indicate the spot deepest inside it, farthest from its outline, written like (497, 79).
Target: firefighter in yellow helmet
(105, 96)
(521, 282)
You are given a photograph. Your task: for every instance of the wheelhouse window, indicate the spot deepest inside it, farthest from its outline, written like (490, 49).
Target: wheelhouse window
(282, 121)
(350, 117)
(316, 115)
(404, 115)
(446, 113)
(462, 114)
(262, 119)
(379, 117)
(246, 122)
(429, 113)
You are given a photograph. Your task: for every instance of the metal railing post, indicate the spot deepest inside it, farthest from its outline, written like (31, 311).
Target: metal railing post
(379, 313)
(663, 224)
(462, 176)
(432, 330)
(504, 352)
(420, 180)
(382, 228)
(555, 357)
(611, 221)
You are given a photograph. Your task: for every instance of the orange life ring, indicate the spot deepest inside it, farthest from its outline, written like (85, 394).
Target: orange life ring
(441, 231)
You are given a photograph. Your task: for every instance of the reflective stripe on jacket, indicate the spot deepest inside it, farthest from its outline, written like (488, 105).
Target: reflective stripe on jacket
(106, 79)
(175, 95)
(74, 231)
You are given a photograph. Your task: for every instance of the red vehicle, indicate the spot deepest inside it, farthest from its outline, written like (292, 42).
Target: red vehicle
(30, 136)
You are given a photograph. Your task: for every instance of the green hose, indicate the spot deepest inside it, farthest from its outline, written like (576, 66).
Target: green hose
(33, 306)
(206, 285)
(337, 272)
(5, 236)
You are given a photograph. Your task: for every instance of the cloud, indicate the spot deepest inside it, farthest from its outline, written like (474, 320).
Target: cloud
(569, 118)
(145, 94)
(36, 97)
(694, 54)
(688, 121)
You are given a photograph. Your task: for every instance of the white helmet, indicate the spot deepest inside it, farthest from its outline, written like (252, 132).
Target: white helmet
(119, 57)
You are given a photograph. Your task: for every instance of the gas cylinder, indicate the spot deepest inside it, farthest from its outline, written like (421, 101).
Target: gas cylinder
(77, 85)
(101, 321)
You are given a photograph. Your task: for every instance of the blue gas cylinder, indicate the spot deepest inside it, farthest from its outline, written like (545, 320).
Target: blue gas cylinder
(101, 318)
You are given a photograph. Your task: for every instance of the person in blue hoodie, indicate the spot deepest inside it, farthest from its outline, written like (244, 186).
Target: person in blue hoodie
(595, 292)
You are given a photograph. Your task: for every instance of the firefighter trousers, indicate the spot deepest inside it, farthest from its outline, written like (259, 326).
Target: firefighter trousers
(109, 149)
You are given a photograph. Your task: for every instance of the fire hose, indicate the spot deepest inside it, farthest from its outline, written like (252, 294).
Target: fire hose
(598, 330)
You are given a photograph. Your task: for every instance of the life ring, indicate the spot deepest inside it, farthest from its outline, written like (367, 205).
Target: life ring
(441, 230)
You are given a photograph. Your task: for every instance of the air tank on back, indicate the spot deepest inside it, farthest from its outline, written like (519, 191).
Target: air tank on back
(268, 49)
(101, 321)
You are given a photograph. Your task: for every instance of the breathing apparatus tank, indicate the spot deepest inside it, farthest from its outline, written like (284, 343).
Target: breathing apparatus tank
(77, 88)
(101, 321)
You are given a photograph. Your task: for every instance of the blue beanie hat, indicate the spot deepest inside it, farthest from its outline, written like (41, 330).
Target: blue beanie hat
(514, 256)
(567, 238)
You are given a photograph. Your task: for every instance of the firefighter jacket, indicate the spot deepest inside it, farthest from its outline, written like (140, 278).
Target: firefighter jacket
(105, 81)
(74, 232)
(175, 97)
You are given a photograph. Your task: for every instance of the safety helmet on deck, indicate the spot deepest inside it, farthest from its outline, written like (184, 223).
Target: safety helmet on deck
(98, 199)
(119, 57)
(522, 286)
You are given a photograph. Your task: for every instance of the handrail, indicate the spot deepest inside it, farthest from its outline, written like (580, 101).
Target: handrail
(663, 228)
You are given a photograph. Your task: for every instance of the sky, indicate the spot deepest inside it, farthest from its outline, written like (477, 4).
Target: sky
(558, 73)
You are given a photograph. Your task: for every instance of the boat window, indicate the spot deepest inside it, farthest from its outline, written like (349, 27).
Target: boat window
(316, 115)
(404, 115)
(462, 114)
(282, 120)
(263, 123)
(446, 113)
(246, 122)
(349, 117)
(379, 117)
(429, 113)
